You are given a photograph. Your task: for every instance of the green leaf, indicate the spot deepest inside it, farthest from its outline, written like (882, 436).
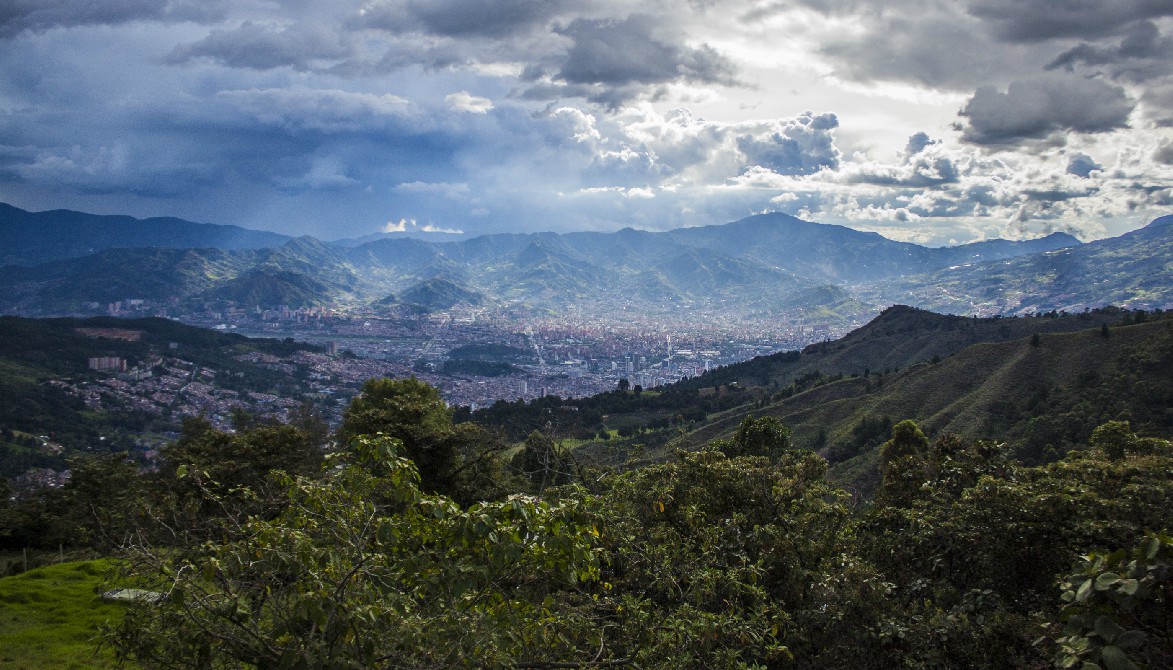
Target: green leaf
(318, 616)
(1107, 628)
(1129, 640)
(1114, 658)
(1129, 586)
(1105, 580)
(181, 471)
(1150, 547)
(1084, 591)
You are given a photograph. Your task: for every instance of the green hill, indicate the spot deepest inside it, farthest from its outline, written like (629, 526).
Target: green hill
(977, 378)
(439, 293)
(273, 287)
(1042, 396)
(52, 616)
(900, 336)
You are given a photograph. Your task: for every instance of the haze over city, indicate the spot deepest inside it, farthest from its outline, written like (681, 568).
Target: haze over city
(928, 121)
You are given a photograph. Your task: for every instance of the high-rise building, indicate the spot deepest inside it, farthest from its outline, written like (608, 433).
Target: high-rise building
(107, 363)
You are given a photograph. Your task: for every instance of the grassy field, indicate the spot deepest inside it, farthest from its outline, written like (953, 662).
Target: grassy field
(50, 617)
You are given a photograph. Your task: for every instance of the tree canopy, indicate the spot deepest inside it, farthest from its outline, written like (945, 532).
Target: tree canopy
(270, 553)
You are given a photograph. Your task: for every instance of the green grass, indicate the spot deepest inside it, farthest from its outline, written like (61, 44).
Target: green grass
(50, 618)
(18, 372)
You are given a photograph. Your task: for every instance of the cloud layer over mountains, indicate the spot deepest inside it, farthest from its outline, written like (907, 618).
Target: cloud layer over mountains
(925, 120)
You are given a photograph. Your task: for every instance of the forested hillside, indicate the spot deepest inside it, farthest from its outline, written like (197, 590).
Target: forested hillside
(420, 542)
(1042, 395)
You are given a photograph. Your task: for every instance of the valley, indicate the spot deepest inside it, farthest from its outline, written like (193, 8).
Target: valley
(592, 308)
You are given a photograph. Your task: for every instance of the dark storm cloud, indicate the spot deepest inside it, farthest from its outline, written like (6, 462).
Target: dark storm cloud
(937, 49)
(1082, 165)
(920, 172)
(620, 55)
(1052, 195)
(1157, 100)
(1034, 109)
(957, 46)
(461, 18)
(1029, 21)
(302, 110)
(261, 47)
(1142, 56)
(17, 16)
(427, 53)
(917, 143)
(1164, 154)
(605, 61)
(803, 146)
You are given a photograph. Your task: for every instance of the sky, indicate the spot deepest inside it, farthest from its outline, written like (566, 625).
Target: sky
(931, 121)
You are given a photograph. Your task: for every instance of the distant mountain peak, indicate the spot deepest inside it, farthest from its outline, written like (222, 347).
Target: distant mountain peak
(1060, 236)
(1166, 220)
(439, 293)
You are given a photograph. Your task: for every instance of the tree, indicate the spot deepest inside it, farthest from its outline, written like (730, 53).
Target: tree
(902, 463)
(102, 502)
(231, 460)
(408, 409)
(717, 562)
(454, 459)
(207, 472)
(907, 440)
(974, 553)
(1115, 607)
(362, 569)
(765, 436)
(541, 462)
(624, 384)
(1113, 439)
(310, 421)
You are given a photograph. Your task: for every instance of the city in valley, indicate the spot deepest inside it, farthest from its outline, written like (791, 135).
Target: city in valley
(574, 354)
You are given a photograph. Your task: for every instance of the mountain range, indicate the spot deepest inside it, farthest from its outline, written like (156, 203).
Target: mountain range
(767, 264)
(29, 238)
(1133, 269)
